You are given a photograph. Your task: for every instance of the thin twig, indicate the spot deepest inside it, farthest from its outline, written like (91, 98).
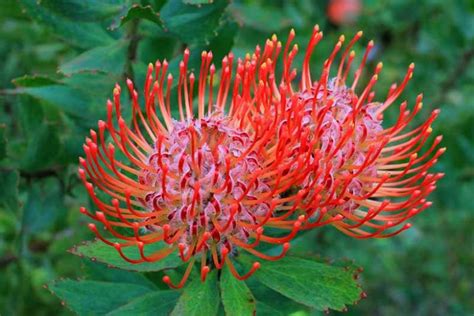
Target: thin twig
(452, 78)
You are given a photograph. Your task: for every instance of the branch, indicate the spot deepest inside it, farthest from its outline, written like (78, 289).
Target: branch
(458, 71)
(134, 38)
(39, 174)
(7, 259)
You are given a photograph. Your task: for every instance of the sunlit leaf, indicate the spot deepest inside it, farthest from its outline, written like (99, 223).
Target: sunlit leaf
(311, 283)
(236, 296)
(269, 301)
(199, 298)
(159, 303)
(101, 252)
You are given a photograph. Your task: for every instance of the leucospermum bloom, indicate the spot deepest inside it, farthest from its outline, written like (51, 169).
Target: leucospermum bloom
(255, 152)
(206, 185)
(369, 178)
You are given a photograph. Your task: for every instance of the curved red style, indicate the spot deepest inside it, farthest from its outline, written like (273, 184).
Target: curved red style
(369, 179)
(203, 185)
(252, 151)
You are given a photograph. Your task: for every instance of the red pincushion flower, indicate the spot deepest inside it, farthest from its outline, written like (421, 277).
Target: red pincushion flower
(258, 155)
(202, 186)
(369, 179)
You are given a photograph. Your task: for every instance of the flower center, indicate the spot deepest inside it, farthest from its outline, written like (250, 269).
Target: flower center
(201, 174)
(348, 139)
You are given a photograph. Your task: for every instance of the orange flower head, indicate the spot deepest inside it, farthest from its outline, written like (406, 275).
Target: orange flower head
(367, 180)
(202, 186)
(256, 153)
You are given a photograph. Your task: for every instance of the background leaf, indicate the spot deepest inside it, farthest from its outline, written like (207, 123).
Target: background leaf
(109, 59)
(66, 98)
(9, 180)
(80, 34)
(3, 142)
(43, 149)
(86, 10)
(34, 81)
(192, 24)
(43, 207)
(142, 12)
(198, 2)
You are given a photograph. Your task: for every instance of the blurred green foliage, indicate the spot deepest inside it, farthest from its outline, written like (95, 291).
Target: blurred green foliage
(60, 60)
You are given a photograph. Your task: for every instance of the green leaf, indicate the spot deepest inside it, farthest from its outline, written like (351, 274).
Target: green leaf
(266, 310)
(30, 115)
(9, 180)
(236, 296)
(193, 24)
(101, 272)
(109, 59)
(198, 2)
(43, 148)
(43, 207)
(85, 10)
(142, 12)
(311, 283)
(34, 81)
(94, 88)
(159, 303)
(3, 142)
(268, 300)
(199, 298)
(10, 9)
(222, 43)
(104, 253)
(260, 17)
(69, 99)
(80, 34)
(95, 297)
